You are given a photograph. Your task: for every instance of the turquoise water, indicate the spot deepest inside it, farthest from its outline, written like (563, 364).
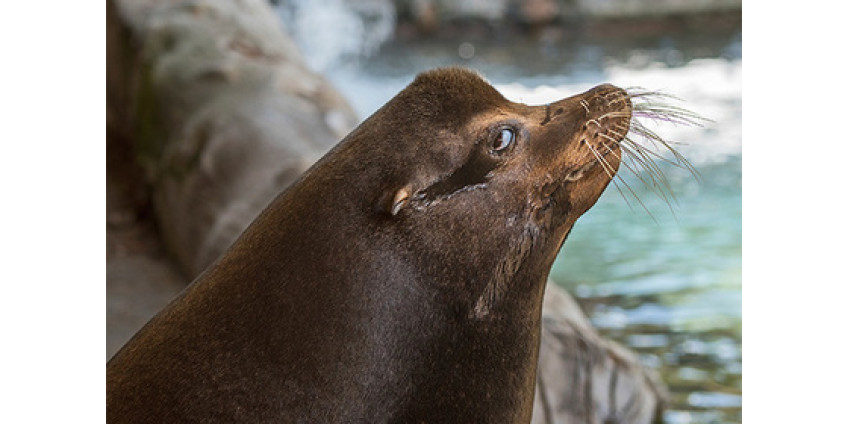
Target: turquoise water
(685, 258)
(670, 289)
(661, 277)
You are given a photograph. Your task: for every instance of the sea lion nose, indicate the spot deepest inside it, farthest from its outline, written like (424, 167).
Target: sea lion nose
(602, 90)
(592, 101)
(605, 94)
(602, 98)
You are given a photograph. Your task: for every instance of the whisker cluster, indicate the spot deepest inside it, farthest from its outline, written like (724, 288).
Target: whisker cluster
(642, 148)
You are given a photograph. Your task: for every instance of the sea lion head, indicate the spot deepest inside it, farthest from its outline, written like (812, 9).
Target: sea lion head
(463, 178)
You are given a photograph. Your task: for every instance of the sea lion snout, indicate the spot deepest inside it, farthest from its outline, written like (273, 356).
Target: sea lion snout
(605, 101)
(608, 112)
(582, 130)
(576, 149)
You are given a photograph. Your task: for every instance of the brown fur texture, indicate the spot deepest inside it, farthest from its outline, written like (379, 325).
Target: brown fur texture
(341, 303)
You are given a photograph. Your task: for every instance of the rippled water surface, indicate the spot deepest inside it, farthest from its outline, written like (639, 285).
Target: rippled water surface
(662, 276)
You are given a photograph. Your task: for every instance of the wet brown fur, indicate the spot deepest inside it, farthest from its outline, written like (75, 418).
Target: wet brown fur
(399, 280)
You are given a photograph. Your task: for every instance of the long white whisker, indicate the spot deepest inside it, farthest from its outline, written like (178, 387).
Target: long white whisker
(641, 157)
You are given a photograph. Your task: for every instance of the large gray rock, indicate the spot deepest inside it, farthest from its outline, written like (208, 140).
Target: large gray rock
(224, 113)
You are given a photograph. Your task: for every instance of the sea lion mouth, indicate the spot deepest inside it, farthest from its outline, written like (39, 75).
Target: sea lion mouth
(578, 173)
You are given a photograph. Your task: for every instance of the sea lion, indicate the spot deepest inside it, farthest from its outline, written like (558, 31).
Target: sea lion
(400, 279)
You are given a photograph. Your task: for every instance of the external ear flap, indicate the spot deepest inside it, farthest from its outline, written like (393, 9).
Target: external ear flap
(400, 200)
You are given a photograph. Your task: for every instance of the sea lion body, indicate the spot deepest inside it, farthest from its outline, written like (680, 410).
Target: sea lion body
(399, 280)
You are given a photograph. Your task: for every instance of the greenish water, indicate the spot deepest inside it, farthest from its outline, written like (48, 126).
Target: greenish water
(670, 289)
(666, 282)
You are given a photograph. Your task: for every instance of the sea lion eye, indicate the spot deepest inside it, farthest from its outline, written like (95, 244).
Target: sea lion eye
(504, 139)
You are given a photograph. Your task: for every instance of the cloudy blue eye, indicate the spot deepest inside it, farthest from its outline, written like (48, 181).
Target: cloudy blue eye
(504, 139)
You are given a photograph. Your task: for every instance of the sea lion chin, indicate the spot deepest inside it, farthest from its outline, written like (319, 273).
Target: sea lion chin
(400, 279)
